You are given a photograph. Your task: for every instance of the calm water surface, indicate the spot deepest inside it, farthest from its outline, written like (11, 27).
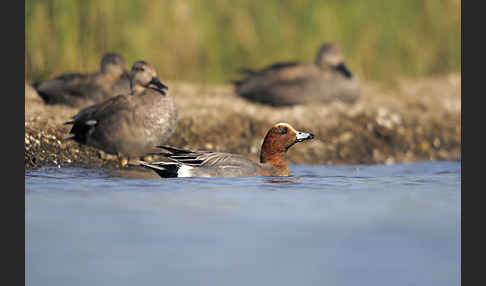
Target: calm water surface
(327, 225)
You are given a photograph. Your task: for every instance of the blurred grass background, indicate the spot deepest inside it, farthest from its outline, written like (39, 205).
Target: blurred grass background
(208, 41)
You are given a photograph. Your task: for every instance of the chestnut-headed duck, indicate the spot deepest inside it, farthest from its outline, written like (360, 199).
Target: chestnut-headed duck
(81, 90)
(129, 125)
(292, 83)
(186, 163)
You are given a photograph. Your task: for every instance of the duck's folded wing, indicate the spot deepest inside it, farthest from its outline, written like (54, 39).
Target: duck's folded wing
(192, 158)
(266, 72)
(280, 76)
(60, 89)
(280, 66)
(205, 158)
(100, 110)
(273, 67)
(86, 120)
(59, 82)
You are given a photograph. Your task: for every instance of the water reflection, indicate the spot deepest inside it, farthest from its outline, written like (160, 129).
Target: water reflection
(282, 180)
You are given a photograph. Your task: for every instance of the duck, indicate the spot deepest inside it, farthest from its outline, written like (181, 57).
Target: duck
(292, 83)
(80, 90)
(129, 125)
(187, 163)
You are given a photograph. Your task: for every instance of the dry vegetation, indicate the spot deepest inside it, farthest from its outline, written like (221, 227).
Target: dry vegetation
(207, 41)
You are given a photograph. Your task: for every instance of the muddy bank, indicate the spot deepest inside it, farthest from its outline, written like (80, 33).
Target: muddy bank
(409, 120)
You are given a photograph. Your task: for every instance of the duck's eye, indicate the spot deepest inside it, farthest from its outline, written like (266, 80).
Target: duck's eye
(284, 130)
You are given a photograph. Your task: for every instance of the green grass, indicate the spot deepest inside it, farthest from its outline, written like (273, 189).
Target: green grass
(208, 41)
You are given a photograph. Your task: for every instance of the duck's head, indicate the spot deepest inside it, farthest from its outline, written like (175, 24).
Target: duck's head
(329, 55)
(144, 74)
(113, 64)
(280, 138)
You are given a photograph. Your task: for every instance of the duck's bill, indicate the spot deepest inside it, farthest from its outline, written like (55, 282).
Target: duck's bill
(342, 68)
(302, 136)
(155, 81)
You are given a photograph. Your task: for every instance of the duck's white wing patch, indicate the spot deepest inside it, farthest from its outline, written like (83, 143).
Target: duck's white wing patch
(184, 171)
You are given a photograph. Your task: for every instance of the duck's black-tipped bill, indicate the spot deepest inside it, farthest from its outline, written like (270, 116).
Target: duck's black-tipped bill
(302, 136)
(342, 68)
(155, 81)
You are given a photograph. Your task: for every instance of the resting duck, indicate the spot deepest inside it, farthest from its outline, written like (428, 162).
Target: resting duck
(186, 163)
(129, 125)
(292, 83)
(80, 90)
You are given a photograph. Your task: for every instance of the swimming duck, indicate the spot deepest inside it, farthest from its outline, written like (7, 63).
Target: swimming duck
(292, 83)
(186, 163)
(80, 90)
(129, 125)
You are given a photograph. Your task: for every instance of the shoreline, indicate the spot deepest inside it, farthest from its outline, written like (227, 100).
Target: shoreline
(408, 121)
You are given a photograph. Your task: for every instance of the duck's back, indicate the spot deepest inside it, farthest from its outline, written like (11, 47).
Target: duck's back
(210, 164)
(75, 89)
(317, 87)
(298, 84)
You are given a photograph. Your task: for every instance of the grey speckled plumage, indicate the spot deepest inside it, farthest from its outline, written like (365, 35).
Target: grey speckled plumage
(129, 125)
(207, 163)
(187, 163)
(80, 90)
(292, 83)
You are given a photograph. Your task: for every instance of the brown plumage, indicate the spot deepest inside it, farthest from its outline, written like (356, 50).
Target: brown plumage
(292, 83)
(129, 125)
(80, 90)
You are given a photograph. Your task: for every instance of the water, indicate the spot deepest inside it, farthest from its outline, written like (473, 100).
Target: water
(327, 225)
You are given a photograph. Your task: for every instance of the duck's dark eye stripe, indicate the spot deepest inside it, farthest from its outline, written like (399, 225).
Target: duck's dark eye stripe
(284, 130)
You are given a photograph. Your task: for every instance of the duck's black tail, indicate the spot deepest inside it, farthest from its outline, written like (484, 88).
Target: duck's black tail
(163, 169)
